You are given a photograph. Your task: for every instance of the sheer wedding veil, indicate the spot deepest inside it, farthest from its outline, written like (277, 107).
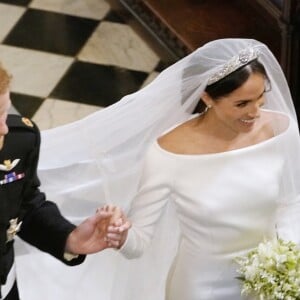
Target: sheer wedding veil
(98, 160)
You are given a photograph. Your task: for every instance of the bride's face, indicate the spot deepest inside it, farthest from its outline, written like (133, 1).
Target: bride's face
(240, 110)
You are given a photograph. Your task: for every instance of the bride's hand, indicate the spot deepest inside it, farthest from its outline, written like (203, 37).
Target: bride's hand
(118, 227)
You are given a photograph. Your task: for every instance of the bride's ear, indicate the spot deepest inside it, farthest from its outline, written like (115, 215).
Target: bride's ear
(207, 99)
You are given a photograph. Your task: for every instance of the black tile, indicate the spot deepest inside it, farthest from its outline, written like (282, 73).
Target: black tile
(16, 2)
(26, 105)
(113, 17)
(97, 84)
(51, 32)
(162, 65)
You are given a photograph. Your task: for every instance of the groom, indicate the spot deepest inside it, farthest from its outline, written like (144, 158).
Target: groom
(24, 210)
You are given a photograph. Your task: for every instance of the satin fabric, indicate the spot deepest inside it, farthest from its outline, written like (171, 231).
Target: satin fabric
(226, 204)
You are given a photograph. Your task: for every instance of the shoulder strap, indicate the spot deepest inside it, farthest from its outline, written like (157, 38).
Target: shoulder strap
(23, 123)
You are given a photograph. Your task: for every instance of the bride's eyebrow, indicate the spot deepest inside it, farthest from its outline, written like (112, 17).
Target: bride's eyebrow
(247, 100)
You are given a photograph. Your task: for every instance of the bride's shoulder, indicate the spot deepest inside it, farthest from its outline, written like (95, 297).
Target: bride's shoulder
(275, 119)
(169, 140)
(274, 115)
(178, 138)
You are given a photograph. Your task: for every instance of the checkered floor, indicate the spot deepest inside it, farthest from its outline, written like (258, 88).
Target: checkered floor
(70, 58)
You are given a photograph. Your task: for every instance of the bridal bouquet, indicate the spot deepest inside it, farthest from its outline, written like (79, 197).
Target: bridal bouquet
(271, 271)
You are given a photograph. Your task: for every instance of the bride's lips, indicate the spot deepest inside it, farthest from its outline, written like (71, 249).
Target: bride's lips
(248, 121)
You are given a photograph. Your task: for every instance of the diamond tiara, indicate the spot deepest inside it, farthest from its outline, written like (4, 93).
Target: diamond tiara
(244, 57)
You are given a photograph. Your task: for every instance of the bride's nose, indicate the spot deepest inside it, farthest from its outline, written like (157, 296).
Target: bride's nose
(254, 110)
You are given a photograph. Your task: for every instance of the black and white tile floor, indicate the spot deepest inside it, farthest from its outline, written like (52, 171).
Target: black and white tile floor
(69, 58)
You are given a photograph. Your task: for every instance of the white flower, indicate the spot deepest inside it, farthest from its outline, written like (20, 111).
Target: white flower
(271, 271)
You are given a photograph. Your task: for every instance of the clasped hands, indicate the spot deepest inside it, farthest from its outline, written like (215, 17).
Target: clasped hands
(116, 228)
(108, 228)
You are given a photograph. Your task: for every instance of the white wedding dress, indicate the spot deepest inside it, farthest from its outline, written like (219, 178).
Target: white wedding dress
(226, 204)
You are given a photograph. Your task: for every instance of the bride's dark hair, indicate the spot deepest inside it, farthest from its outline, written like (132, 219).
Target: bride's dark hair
(232, 82)
(235, 79)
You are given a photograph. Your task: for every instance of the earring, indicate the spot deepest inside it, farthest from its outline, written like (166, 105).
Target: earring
(207, 107)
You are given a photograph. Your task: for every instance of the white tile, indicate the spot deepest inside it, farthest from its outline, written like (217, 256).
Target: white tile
(55, 112)
(93, 9)
(10, 14)
(117, 44)
(12, 110)
(34, 73)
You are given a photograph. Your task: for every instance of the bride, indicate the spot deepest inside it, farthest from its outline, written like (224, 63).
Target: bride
(203, 187)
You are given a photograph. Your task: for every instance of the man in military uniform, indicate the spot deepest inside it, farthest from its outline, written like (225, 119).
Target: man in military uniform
(24, 209)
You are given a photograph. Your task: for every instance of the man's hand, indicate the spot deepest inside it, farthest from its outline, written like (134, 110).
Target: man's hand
(91, 235)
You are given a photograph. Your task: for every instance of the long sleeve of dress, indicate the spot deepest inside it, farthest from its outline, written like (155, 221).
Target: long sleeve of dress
(148, 205)
(288, 224)
(288, 219)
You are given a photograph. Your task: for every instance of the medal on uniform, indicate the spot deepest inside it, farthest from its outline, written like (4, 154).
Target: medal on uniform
(11, 177)
(13, 229)
(8, 165)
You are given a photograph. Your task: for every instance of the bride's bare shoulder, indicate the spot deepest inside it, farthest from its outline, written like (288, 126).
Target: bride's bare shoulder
(177, 138)
(273, 119)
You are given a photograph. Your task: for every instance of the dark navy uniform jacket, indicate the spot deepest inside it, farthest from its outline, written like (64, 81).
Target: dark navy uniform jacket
(42, 224)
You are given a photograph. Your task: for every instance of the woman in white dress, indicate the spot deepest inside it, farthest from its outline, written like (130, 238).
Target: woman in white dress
(221, 170)
(204, 188)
